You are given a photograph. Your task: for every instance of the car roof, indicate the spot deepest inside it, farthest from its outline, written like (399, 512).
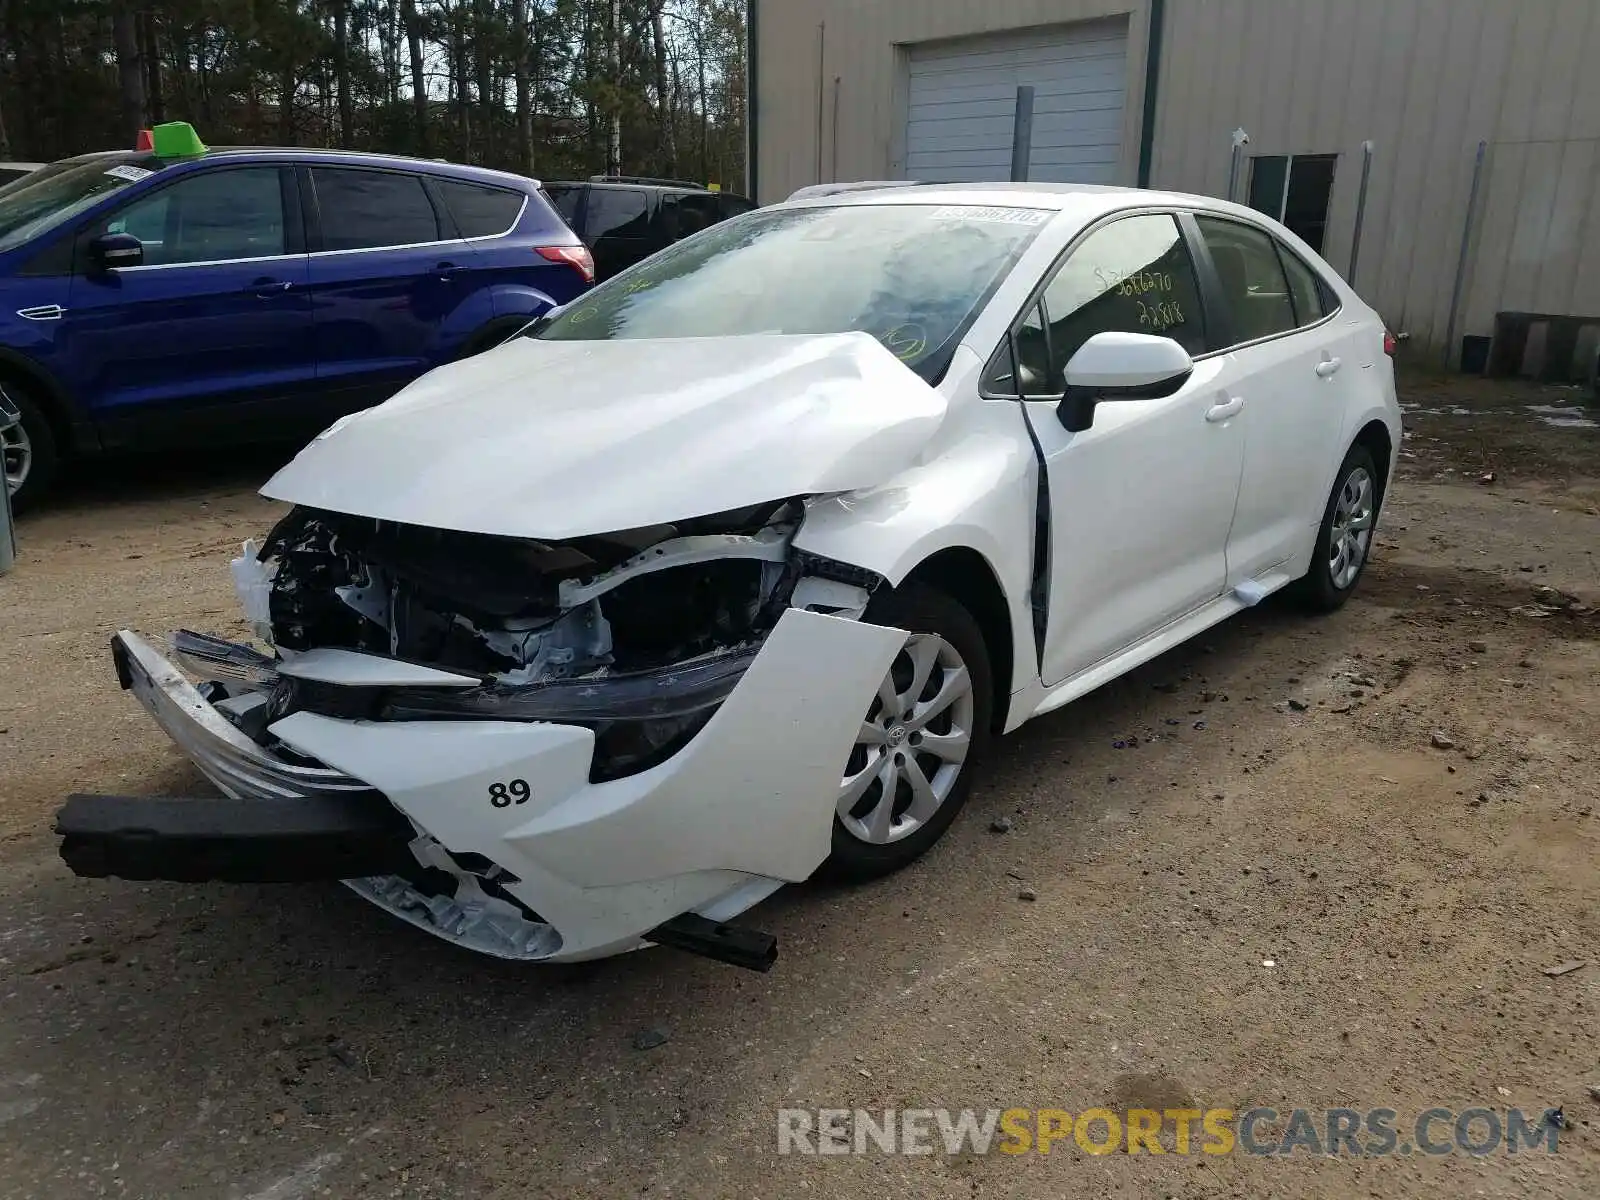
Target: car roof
(304, 153)
(1085, 201)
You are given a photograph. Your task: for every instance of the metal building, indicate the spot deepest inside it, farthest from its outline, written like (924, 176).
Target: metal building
(1444, 237)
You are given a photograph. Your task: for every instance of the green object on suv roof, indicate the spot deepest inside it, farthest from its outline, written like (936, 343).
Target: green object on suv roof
(176, 139)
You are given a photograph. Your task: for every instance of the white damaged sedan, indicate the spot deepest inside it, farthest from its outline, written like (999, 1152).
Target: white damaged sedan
(725, 574)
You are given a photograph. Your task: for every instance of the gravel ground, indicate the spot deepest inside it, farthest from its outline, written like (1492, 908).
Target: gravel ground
(1397, 807)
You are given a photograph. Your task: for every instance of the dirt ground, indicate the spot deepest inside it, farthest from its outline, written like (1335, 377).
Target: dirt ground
(1270, 793)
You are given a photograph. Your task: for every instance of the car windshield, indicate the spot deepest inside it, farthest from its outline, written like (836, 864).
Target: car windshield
(39, 202)
(912, 275)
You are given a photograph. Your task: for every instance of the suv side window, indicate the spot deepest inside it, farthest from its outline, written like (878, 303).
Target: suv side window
(207, 217)
(618, 212)
(1252, 278)
(480, 210)
(686, 213)
(364, 210)
(1305, 288)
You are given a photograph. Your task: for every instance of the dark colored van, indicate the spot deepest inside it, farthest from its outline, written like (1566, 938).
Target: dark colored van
(624, 218)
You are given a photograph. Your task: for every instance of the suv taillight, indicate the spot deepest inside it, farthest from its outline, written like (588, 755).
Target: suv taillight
(1390, 343)
(576, 257)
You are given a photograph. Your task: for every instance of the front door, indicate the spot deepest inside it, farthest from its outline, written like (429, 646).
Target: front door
(1142, 501)
(211, 334)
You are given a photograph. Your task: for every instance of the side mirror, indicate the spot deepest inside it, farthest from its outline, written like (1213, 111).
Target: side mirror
(1120, 366)
(111, 250)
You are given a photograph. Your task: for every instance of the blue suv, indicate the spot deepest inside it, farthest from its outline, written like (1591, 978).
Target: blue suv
(233, 295)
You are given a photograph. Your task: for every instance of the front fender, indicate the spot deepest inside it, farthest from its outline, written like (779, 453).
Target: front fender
(978, 491)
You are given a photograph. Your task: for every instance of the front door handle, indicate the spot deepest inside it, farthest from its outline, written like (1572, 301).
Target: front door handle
(446, 271)
(1228, 408)
(267, 288)
(1329, 367)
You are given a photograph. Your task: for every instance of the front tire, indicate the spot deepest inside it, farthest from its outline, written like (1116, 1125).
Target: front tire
(28, 450)
(910, 770)
(1344, 539)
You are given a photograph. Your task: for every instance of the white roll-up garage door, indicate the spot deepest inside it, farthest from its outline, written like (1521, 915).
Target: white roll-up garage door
(963, 103)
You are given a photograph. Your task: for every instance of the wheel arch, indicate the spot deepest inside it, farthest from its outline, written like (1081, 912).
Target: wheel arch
(968, 578)
(1375, 438)
(48, 394)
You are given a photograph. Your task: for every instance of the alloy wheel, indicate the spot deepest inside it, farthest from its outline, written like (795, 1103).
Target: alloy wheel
(17, 452)
(912, 744)
(1351, 536)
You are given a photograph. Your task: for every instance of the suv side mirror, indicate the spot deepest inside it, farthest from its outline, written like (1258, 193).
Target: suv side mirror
(1120, 366)
(111, 250)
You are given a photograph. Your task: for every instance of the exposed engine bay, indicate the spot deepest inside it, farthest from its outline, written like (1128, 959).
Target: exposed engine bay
(525, 612)
(638, 634)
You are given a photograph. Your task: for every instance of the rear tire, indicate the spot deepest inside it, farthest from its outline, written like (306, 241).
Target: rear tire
(30, 453)
(1345, 537)
(919, 739)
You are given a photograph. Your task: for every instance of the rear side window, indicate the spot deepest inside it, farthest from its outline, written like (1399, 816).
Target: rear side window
(686, 213)
(480, 210)
(618, 212)
(363, 210)
(1304, 289)
(566, 200)
(1253, 282)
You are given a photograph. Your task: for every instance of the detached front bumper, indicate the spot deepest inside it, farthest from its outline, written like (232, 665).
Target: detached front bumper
(576, 870)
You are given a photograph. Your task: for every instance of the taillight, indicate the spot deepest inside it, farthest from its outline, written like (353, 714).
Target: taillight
(1390, 343)
(576, 257)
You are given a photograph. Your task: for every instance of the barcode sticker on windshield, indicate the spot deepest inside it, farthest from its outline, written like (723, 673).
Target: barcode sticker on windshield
(131, 174)
(1003, 216)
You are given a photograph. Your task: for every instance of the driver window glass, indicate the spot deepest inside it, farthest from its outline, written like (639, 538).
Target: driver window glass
(208, 217)
(1134, 276)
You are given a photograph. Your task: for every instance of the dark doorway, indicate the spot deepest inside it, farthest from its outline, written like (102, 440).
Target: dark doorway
(1295, 189)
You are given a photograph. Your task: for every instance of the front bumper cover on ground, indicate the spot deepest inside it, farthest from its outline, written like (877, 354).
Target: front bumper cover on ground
(580, 869)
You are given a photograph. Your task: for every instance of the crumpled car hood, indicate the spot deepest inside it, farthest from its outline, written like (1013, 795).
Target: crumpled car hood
(561, 439)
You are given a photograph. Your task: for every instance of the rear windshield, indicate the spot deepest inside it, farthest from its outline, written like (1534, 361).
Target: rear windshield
(52, 195)
(914, 276)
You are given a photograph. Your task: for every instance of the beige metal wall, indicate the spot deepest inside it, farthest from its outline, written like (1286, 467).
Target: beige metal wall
(806, 44)
(1425, 80)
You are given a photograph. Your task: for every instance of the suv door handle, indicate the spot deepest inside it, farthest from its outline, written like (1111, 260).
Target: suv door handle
(446, 271)
(267, 288)
(1228, 408)
(1329, 367)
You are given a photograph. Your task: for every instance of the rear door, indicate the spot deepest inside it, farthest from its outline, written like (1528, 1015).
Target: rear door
(1294, 361)
(211, 335)
(388, 276)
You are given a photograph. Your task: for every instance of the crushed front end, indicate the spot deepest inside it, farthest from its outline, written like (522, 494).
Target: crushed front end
(535, 749)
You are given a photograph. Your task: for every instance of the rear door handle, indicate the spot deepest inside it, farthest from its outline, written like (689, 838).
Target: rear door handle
(267, 288)
(446, 271)
(1228, 408)
(1329, 367)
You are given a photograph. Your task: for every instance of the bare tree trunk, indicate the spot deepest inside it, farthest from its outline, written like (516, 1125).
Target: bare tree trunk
(149, 50)
(705, 110)
(523, 54)
(664, 114)
(419, 82)
(614, 141)
(130, 71)
(341, 67)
